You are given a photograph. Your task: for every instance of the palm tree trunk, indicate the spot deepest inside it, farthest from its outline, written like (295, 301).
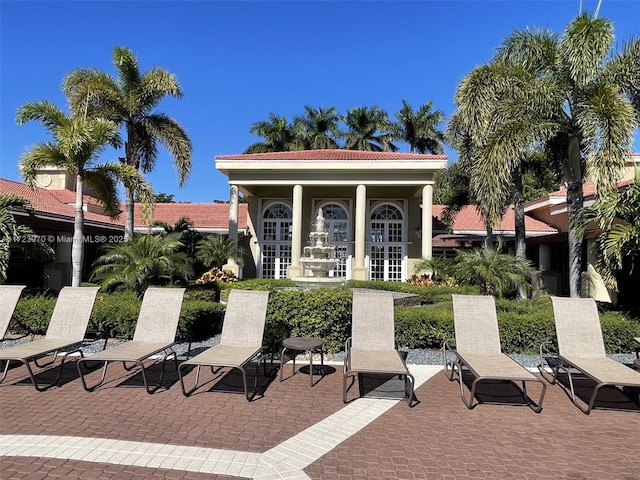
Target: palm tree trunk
(128, 215)
(130, 159)
(519, 226)
(575, 202)
(77, 247)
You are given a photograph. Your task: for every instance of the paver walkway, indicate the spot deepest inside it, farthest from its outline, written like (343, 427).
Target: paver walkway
(294, 431)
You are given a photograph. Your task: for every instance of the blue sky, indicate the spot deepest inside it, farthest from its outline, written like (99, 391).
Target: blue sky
(239, 61)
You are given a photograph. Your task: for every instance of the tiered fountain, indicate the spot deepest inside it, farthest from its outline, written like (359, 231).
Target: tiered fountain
(319, 259)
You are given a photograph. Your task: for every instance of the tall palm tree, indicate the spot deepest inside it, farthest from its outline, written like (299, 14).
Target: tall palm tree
(130, 101)
(369, 129)
(78, 141)
(420, 129)
(277, 133)
(12, 234)
(318, 128)
(575, 97)
(144, 260)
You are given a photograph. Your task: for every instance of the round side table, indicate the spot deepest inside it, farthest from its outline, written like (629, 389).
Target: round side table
(302, 344)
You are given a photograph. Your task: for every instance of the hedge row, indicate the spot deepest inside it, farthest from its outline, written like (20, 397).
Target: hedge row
(326, 314)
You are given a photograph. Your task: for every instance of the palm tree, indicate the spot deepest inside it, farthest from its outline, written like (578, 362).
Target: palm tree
(12, 234)
(144, 260)
(78, 143)
(575, 98)
(277, 134)
(369, 129)
(216, 250)
(617, 248)
(494, 272)
(317, 129)
(130, 101)
(188, 235)
(419, 129)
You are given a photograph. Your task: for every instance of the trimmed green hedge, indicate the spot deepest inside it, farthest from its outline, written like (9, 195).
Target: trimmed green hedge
(324, 313)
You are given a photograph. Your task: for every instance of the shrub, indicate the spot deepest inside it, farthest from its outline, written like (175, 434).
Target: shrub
(32, 314)
(209, 292)
(618, 332)
(115, 314)
(428, 294)
(323, 313)
(200, 319)
(423, 327)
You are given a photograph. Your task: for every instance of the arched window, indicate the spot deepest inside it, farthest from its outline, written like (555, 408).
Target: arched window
(387, 247)
(276, 240)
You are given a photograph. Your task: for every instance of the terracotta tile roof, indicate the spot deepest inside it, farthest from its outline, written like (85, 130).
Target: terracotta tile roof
(470, 220)
(335, 154)
(203, 215)
(56, 202)
(588, 189)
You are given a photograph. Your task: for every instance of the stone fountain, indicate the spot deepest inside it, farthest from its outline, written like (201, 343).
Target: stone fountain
(319, 259)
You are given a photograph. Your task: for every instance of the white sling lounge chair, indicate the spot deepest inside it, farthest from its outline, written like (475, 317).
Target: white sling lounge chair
(9, 296)
(581, 348)
(240, 342)
(478, 349)
(371, 347)
(155, 332)
(67, 327)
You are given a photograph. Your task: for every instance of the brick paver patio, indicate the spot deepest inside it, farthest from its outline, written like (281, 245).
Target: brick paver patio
(296, 431)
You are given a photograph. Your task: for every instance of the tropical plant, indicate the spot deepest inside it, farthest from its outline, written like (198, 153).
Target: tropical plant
(77, 144)
(214, 251)
(142, 261)
(494, 272)
(277, 133)
(317, 129)
(574, 96)
(617, 213)
(369, 129)
(420, 129)
(20, 236)
(188, 235)
(130, 101)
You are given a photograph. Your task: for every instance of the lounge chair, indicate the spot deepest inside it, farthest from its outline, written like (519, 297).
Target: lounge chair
(581, 348)
(371, 349)
(240, 342)
(478, 350)
(9, 296)
(155, 332)
(67, 328)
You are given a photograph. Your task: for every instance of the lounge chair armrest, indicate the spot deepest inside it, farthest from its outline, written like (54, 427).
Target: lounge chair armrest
(347, 354)
(545, 351)
(448, 346)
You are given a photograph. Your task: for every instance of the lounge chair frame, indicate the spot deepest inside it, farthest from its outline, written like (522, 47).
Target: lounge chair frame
(9, 296)
(485, 305)
(65, 308)
(377, 307)
(216, 367)
(157, 303)
(585, 309)
(242, 328)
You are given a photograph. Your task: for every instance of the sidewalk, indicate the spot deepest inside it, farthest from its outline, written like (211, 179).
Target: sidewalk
(293, 431)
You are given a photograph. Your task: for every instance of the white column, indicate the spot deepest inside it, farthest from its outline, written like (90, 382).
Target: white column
(427, 221)
(359, 271)
(295, 269)
(233, 229)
